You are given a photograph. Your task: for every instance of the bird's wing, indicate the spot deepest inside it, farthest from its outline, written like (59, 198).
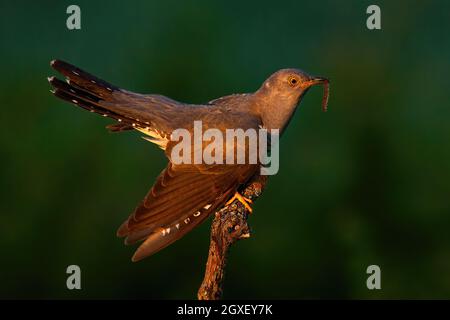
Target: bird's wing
(184, 195)
(180, 200)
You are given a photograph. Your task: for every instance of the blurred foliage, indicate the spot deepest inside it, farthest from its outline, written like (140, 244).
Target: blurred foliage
(366, 183)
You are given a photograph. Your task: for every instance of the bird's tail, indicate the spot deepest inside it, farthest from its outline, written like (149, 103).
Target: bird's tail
(151, 114)
(88, 92)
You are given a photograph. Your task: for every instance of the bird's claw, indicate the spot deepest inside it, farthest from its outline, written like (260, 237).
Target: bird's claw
(245, 201)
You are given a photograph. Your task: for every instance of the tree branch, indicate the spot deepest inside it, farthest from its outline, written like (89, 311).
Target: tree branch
(228, 226)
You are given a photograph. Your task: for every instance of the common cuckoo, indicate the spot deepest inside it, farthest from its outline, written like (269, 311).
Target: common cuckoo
(184, 195)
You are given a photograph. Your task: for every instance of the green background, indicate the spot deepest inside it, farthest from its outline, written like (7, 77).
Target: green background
(366, 183)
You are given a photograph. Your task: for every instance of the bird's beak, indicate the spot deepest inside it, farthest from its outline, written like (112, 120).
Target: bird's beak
(314, 81)
(326, 91)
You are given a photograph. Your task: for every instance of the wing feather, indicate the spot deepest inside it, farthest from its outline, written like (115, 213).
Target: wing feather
(178, 201)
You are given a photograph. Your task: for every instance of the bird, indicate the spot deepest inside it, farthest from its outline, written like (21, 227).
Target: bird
(185, 195)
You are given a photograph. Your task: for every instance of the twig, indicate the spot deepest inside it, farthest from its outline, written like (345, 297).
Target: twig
(228, 226)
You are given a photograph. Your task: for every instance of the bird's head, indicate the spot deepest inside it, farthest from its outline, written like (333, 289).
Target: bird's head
(282, 92)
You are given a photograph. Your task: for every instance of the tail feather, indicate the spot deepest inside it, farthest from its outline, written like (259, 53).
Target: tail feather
(75, 90)
(83, 79)
(146, 113)
(89, 101)
(119, 127)
(86, 99)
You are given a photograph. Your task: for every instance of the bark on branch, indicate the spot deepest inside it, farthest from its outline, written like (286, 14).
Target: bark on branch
(229, 225)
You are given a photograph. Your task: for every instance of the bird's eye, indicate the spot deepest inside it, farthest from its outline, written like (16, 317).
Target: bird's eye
(293, 81)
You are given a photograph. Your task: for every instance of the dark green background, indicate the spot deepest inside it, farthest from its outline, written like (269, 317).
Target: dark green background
(366, 183)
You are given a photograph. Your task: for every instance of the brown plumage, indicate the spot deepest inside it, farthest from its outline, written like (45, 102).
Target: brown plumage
(184, 195)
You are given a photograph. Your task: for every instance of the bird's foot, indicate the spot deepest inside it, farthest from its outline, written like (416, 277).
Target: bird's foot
(245, 201)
